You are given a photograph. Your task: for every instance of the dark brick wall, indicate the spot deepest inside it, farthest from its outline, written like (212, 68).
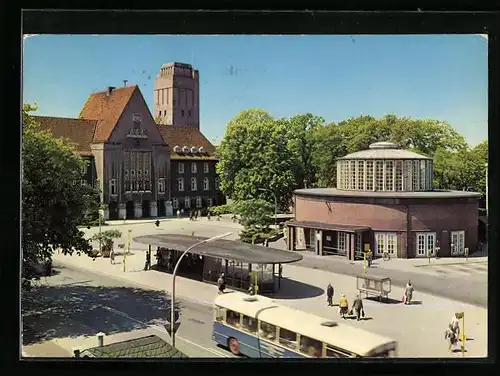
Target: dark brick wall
(216, 195)
(441, 217)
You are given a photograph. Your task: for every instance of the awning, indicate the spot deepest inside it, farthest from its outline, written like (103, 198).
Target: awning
(224, 249)
(327, 226)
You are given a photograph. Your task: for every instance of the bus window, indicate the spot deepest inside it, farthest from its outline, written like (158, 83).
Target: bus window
(311, 346)
(267, 331)
(220, 314)
(288, 338)
(233, 318)
(249, 324)
(332, 352)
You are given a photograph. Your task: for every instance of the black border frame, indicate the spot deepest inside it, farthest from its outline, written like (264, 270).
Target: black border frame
(464, 18)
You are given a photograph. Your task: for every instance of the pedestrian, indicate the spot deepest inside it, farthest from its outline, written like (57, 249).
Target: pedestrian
(147, 265)
(343, 306)
(178, 213)
(329, 295)
(196, 214)
(221, 283)
(357, 306)
(112, 256)
(452, 333)
(408, 293)
(209, 215)
(369, 257)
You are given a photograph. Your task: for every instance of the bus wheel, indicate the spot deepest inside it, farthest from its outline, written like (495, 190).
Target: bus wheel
(234, 346)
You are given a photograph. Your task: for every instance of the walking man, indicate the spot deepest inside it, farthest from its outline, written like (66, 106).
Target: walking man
(112, 256)
(221, 283)
(329, 295)
(408, 292)
(357, 306)
(147, 265)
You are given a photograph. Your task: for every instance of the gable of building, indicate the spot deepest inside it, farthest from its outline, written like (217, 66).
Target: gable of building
(106, 108)
(78, 131)
(186, 136)
(144, 131)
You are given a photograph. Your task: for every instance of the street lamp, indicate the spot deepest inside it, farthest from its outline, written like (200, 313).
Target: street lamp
(100, 212)
(486, 166)
(275, 204)
(172, 303)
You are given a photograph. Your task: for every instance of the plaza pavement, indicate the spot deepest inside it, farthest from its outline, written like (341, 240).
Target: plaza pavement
(418, 328)
(455, 278)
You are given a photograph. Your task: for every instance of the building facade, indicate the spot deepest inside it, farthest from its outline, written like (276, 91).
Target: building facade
(384, 201)
(130, 157)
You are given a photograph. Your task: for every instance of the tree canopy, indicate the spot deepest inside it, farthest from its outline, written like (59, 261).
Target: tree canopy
(284, 154)
(255, 160)
(52, 204)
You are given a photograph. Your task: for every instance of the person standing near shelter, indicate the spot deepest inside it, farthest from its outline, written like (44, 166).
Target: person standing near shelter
(343, 306)
(357, 307)
(112, 256)
(329, 295)
(408, 293)
(221, 283)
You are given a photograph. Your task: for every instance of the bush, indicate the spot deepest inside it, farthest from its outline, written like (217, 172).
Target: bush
(222, 209)
(259, 235)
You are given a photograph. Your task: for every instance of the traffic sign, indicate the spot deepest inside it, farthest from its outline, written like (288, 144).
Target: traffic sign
(169, 329)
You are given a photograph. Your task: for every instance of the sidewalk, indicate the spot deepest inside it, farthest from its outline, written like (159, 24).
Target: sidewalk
(418, 328)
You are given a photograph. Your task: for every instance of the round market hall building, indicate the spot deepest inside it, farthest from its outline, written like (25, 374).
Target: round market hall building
(384, 200)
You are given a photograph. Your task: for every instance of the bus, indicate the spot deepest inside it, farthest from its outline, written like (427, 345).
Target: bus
(258, 327)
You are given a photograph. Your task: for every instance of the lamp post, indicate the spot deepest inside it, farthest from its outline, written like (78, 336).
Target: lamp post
(486, 166)
(275, 203)
(172, 303)
(100, 212)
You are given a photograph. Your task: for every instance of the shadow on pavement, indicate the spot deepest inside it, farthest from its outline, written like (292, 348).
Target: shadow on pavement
(291, 289)
(60, 311)
(384, 300)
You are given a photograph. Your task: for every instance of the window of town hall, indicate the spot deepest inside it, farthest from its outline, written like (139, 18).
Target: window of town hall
(136, 168)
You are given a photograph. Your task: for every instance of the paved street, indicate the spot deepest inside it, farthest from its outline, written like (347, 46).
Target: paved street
(466, 282)
(70, 308)
(418, 328)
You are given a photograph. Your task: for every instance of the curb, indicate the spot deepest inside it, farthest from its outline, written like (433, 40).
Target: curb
(452, 263)
(135, 283)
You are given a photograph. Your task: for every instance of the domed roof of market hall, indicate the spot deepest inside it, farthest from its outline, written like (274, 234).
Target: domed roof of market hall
(384, 150)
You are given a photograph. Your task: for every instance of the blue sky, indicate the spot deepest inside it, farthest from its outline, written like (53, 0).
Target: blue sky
(428, 76)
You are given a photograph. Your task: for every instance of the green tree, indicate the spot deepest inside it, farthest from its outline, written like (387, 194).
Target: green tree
(253, 155)
(107, 240)
(301, 142)
(52, 204)
(328, 146)
(256, 218)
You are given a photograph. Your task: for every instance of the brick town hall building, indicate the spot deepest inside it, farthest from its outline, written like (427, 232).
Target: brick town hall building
(143, 167)
(384, 200)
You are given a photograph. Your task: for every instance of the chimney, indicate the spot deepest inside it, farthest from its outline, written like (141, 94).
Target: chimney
(109, 89)
(100, 339)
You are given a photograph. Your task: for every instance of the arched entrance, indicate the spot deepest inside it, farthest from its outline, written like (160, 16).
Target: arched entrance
(113, 211)
(129, 207)
(146, 209)
(161, 208)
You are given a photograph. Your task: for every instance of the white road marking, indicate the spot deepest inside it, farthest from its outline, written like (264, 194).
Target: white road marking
(159, 328)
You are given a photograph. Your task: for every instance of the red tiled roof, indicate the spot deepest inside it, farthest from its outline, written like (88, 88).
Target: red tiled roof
(78, 131)
(183, 135)
(106, 110)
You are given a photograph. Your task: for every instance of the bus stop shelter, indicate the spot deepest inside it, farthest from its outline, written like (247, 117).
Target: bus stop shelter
(237, 260)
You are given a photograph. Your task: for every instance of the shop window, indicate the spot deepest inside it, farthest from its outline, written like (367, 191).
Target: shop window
(288, 338)
(311, 347)
(267, 331)
(249, 324)
(233, 318)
